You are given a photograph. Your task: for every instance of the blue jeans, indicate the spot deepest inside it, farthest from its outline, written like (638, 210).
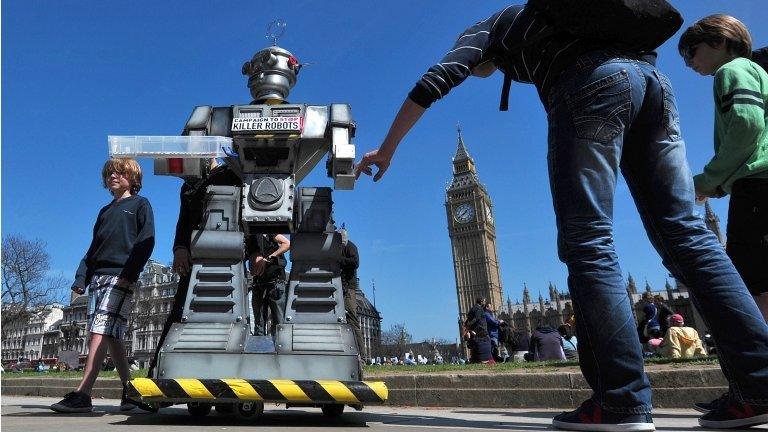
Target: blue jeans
(608, 113)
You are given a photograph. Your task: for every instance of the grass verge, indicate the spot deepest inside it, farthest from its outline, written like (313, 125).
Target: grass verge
(529, 367)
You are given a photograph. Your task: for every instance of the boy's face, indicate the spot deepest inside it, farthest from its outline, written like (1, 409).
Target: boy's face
(118, 183)
(706, 59)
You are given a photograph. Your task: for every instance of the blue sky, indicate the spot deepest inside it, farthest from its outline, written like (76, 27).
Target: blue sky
(74, 72)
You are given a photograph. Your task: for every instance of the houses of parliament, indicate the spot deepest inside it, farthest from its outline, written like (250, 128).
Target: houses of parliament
(472, 231)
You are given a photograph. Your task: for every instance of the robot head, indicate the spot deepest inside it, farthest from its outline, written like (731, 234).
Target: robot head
(271, 73)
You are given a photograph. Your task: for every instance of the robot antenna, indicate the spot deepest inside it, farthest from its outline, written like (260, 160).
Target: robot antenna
(275, 30)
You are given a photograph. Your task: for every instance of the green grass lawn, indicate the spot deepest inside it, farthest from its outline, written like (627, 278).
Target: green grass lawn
(533, 367)
(537, 367)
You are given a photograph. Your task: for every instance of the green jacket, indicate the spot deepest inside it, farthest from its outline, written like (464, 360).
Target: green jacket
(741, 135)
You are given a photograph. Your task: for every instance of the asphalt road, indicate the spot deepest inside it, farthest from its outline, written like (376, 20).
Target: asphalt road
(25, 414)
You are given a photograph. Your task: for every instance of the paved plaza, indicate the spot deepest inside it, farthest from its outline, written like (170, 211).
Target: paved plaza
(25, 414)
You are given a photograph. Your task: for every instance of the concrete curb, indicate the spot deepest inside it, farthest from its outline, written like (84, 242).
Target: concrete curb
(674, 388)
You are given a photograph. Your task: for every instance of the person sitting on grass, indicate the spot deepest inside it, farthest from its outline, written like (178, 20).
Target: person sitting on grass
(681, 341)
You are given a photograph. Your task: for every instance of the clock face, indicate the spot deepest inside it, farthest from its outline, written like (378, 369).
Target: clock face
(488, 214)
(464, 213)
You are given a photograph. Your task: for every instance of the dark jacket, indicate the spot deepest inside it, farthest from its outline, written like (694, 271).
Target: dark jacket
(123, 239)
(481, 349)
(492, 324)
(651, 315)
(523, 340)
(760, 56)
(664, 312)
(476, 320)
(350, 261)
(546, 344)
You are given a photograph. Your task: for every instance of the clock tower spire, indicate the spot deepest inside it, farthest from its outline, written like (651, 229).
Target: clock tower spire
(473, 234)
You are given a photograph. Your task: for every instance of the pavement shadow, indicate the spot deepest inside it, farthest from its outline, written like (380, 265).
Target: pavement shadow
(46, 412)
(549, 414)
(296, 418)
(534, 414)
(177, 416)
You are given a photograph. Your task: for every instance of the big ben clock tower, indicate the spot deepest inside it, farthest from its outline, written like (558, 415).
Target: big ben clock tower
(473, 235)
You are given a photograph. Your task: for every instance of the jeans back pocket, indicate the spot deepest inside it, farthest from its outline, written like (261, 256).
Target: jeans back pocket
(600, 110)
(670, 118)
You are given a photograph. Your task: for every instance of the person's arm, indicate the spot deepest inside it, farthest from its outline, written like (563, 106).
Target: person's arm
(409, 114)
(491, 319)
(471, 49)
(740, 102)
(142, 248)
(183, 235)
(79, 285)
(181, 241)
(284, 245)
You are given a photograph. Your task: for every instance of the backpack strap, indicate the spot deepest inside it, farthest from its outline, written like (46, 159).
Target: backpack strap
(515, 48)
(504, 103)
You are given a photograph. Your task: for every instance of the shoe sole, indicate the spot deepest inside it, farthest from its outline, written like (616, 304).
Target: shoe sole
(701, 410)
(66, 409)
(729, 424)
(621, 427)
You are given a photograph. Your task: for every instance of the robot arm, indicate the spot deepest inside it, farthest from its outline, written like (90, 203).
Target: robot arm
(342, 155)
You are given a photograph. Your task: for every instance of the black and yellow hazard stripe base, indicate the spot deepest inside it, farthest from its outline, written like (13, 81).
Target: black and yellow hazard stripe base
(237, 390)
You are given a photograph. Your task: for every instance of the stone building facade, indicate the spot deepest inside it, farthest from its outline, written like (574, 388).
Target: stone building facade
(152, 302)
(556, 309)
(23, 338)
(370, 324)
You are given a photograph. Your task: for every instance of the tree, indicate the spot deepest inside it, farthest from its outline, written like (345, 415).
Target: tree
(395, 340)
(25, 280)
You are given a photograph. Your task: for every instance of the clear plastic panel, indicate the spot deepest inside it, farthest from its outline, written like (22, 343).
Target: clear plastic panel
(168, 146)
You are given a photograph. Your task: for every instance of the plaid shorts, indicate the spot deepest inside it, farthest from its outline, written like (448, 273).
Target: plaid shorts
(108, 306)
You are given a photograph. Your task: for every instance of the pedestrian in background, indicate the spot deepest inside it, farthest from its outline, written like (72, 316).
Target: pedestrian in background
(350, 261)
(546, 345)
(681, 341)
(570, 342)
(493, 330)
(649, 325)
(664, 312)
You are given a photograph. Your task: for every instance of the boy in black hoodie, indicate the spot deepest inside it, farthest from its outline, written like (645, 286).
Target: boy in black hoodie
(123, 239)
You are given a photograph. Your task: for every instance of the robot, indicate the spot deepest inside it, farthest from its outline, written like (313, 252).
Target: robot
(210, 358)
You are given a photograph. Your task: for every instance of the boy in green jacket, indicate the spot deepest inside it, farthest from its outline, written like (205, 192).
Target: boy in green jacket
(720, 45)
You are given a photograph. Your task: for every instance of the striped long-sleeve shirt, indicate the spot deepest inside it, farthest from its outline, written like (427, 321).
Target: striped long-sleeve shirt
(495, 39)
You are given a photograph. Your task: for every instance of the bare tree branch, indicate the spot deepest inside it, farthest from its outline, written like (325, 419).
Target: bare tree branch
(25, 281)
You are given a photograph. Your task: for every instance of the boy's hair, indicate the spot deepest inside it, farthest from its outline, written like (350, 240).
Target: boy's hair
(715, 29)
(123, 166)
